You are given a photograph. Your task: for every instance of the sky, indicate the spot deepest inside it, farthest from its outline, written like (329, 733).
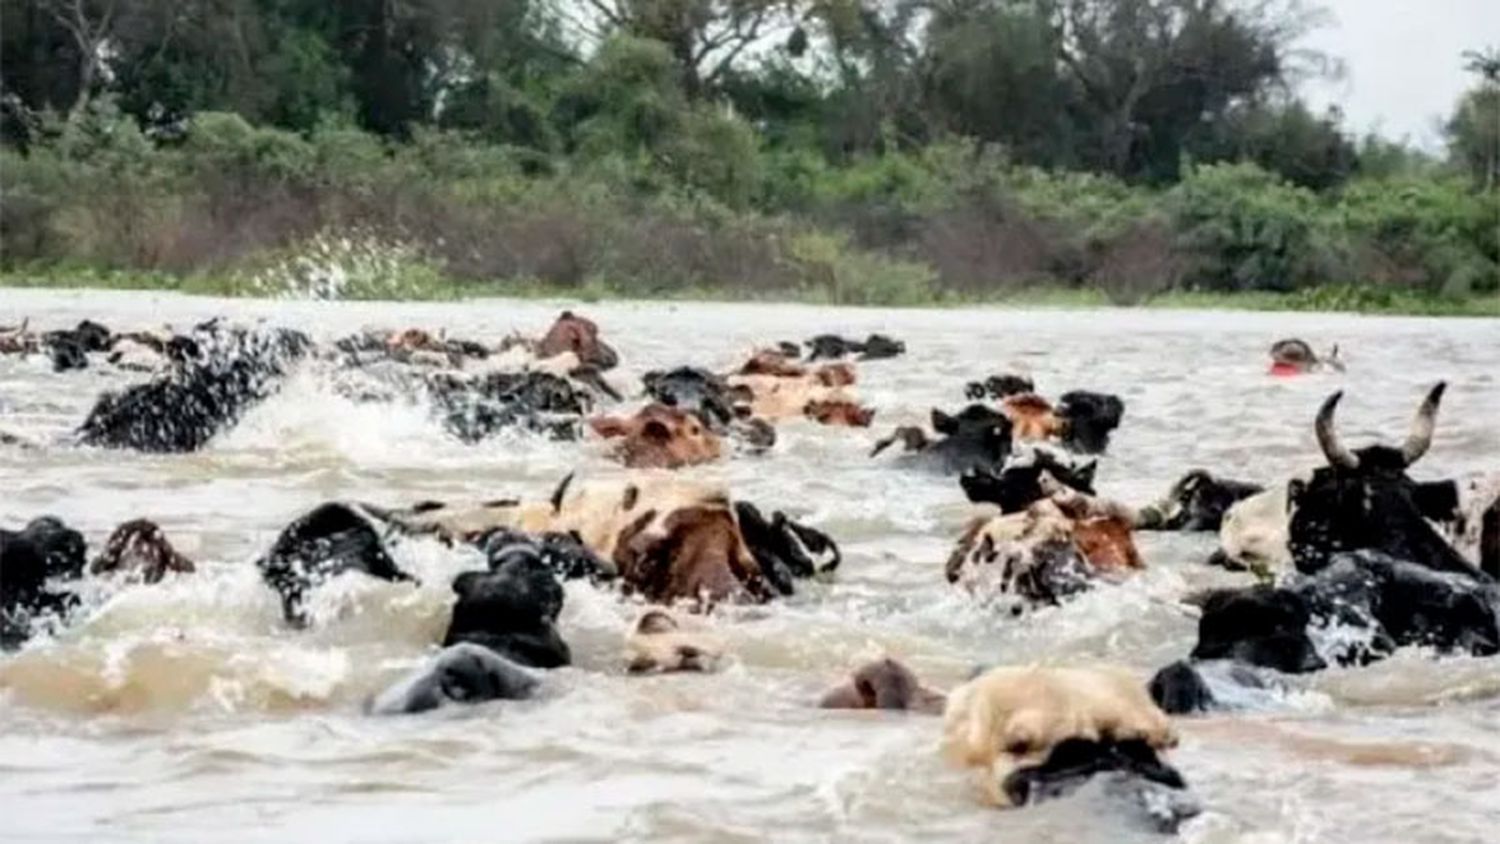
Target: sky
(1401, 60)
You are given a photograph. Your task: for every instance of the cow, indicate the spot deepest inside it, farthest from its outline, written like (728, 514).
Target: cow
(139, 549)
(776, 387)
(1088, 419)
(1049, 551)
(725, 410)
(512, 607)
(659, 437)
(834, 347)
(1080, 420)
(32, 560)
(1363, 499)
(1371, 572)
(659, 642)
(977, 438)
(67, 349)
(327, 541)
(217, 375)
(1037, 733)
(1019, 484)
(999, 387)
(665, 539)
(1295, 357)
(464, 673)
(1198, 501)
(884, 684)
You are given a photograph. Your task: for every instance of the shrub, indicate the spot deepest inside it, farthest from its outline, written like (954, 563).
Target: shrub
(1243, 228)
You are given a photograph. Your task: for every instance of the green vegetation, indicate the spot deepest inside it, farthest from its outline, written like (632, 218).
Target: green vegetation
(846, 151)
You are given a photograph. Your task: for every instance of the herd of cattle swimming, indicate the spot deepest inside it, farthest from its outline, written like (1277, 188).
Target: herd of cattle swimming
(1357, 543)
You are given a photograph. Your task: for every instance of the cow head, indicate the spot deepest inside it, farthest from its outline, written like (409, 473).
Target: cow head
(884, 684)
(1363, 499)
(660, 437)
(694, 390)
(689, 550)
(1019, 484)
(576, 334)
(1088, 419)
(978, 436)
(1031, 417)
(839, 412)
(139, 549)
(659, 642)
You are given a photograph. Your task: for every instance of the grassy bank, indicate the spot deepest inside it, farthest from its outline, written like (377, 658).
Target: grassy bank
(427, 286)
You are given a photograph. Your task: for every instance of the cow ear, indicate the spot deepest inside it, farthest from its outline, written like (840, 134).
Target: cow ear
(943, 423)
(1085, 473)
(609, 426)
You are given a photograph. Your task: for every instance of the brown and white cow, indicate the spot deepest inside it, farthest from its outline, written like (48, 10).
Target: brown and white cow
(1052, 549)
(659, 437)
(780, 388)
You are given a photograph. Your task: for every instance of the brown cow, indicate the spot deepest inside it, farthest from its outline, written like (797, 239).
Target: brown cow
(580, 336)
(1031, 417)
(659, 437)
(139, 549)
(778, 388)
(884, 684)
(659, 642)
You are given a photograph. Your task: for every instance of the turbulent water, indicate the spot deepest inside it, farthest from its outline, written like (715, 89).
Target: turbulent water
(187, 712)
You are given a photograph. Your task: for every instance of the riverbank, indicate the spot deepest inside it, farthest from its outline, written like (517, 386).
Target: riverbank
(431, 287)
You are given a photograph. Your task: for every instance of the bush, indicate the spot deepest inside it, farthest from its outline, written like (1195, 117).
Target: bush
(1435, 234)
(1243, 228)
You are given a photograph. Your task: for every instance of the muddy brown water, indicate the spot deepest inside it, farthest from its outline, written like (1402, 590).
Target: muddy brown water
(187, 712)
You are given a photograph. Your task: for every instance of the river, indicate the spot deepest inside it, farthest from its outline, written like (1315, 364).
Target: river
(186, 711)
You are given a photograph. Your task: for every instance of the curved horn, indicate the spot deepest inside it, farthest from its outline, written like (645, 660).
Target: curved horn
(1328, 438)
(1420, 438)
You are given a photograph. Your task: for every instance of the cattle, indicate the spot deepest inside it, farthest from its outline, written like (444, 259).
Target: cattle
(511, 608)
(67, 349)
(1363, 499)
(1049, 551)
(1294, 357)
(775, 387)
(1019, 484)
(978, 438)
(665, 539)
(464, 673)
(1356, 609)
(1198, 501)
(1088, 419)
(659, 437)
(999, 387)
(330, 540)
(1080, 420)
(579, 336)
(218, 375)
(725, 410)
(659, 642)
(138, 549)
(884, 684)
(44, 550)
(1037, 733)
(1031, 417)
(874, 347)
(475, 407)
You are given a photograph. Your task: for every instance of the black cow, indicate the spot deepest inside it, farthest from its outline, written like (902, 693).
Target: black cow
(217, 375)
(833, 347)
(1363, 499)
(784, 549)
(464, 673)
(331, 539)
(999, 386)
(46, 549)
(976, 438)
(512, 608)
(1197, 502)
(1390, 603)
(1019, 484)
(1088, 419)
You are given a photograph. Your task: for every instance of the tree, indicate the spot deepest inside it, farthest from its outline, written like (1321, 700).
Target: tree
(1474, 130)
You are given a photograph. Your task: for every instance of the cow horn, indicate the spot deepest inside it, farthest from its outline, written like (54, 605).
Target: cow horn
(1328, 438)
(1420, 438)
(557, 494)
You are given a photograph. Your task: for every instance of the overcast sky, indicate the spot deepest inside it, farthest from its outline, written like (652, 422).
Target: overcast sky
(1401, 57)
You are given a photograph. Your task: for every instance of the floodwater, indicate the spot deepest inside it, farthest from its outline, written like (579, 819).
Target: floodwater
(187, 712)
